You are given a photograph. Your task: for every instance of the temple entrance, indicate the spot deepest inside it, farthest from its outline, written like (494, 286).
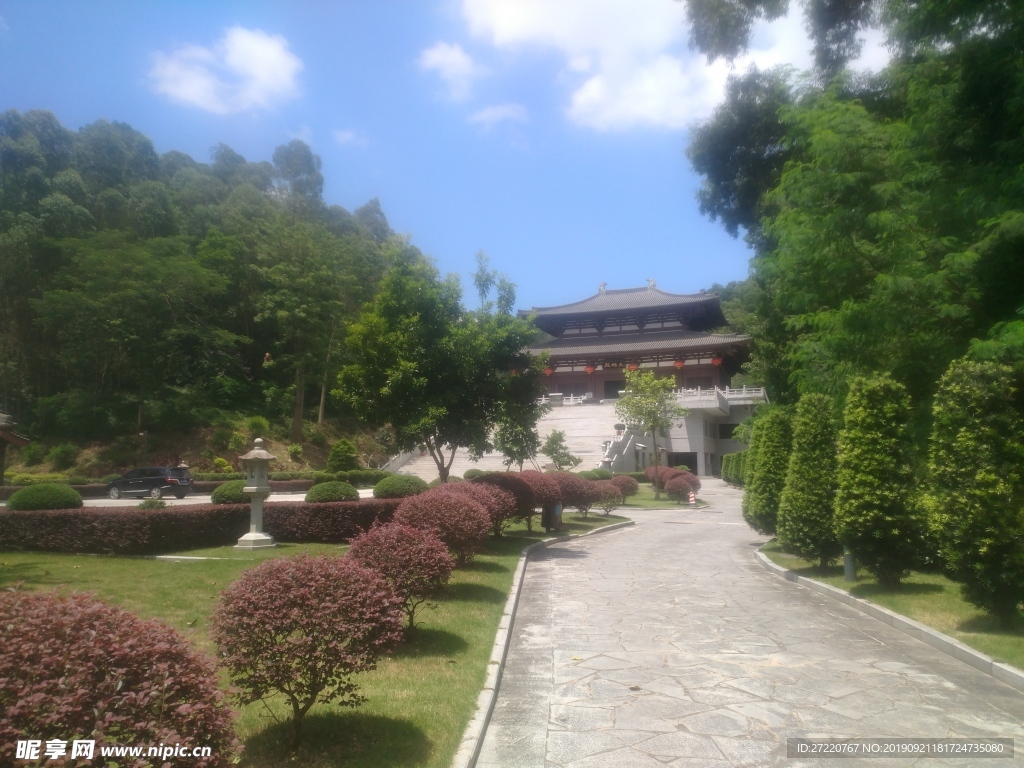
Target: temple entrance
(612, 389)
(681, 459)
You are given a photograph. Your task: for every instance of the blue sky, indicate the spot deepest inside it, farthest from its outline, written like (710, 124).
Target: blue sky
(550, 134)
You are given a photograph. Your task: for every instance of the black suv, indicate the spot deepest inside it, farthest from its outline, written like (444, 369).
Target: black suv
(154, 482)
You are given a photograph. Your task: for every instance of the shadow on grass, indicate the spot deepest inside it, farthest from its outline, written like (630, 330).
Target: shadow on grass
(424, 641)
(349, 739)
(482, 566)
(30, 573)
(989, 625)
(477, 593)
(906, 588)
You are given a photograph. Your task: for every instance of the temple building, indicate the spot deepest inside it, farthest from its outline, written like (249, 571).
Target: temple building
(594, 341)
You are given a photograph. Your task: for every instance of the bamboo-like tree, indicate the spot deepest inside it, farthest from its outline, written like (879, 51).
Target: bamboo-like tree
(773, 437)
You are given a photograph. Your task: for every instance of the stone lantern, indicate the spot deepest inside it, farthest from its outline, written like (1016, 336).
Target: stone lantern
(257, 487)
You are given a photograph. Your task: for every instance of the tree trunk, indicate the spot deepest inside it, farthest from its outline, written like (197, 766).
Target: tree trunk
(3, 459)
(300, 395)
(654, 442)
(323, 401)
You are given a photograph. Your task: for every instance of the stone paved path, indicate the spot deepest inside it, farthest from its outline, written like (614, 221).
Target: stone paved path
(667, 644)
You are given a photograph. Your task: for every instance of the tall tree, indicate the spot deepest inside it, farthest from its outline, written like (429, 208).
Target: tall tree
(440, 377)
(774, 438)
(649, 407)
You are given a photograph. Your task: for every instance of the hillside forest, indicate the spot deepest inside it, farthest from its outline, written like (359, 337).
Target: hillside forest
(141, 291)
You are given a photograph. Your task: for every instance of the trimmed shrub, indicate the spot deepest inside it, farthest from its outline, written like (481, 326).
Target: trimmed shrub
(62, 456)
(807, 505)
(303, 626)
(301, 475)
(229, 493)
(458, 520)
(343, 457)
(678, 489)
(452, 479)
(413, 560)
(875, 514)
(222, 466)
(33, 454)
(627, 485)
(366, 478)
(761, 500)
(640, 477)
(332, 492)
(152, 504)
(581, 494)
(570, 487)
(398, 487)
(472, 473)
(121, 531)
(324, 477)
(218, 477)
(45, 496)
(588, 474)
(295, 452)
(546, 489)
(602, 474)
(526, 502)
(238, 442)
(500, 504)
(976, 485)
(659, 476)
(611, 496)
(73, 667)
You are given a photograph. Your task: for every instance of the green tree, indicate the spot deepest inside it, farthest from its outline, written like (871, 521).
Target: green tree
(439, 376)
(875, 512)
(976, 485)
(773, 435)
(555, 448)
(649, 406)
(806, 524)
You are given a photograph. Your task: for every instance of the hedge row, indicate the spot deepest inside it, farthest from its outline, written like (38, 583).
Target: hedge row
(129, 531)
(734, 468)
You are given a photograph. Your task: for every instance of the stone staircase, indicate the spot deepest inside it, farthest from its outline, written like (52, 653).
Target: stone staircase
(586, 427)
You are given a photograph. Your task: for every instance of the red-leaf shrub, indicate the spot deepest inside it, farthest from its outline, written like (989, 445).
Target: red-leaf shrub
(302, 626)
(413, 560)
(627, 485)
(679, 488)
(75, 668)
(570, 487)
(459, 521)
(499, 503)
(545, 487)
(131, 531)
(587, 496)
(611, 497)
(664, 474)
(526, 502)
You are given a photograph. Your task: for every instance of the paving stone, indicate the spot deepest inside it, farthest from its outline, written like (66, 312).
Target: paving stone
(667, 644)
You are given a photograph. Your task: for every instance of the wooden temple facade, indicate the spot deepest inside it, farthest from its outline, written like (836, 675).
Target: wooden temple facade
(594, 341)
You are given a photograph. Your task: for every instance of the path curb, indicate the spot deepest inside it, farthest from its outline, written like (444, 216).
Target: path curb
(1003, 672)
(473, 736)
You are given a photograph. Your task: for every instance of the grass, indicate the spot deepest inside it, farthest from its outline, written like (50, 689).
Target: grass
(645, 500)
(929, 598)
(419, 699)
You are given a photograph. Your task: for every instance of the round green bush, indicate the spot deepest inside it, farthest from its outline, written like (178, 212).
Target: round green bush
(451, 479)
(45, 496)
(398, 487)
(335, 491)
(469, 474)
(229, 493)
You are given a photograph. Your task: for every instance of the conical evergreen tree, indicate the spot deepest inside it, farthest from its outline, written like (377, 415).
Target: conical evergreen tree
(807, 507)
(875, 512)
(976, 486)
(773, 435)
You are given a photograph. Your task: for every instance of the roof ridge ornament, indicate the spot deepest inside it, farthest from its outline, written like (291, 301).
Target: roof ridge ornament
(601, 288)
(651, 285)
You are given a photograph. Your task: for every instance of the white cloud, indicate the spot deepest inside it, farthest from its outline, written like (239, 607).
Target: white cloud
(349, 137)
(454, 66)
(246, 69)
(628, 63)
(499, 113)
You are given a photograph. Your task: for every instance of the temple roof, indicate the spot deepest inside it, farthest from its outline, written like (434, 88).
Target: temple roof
(696, 311)
(629, 299)
(633, 343)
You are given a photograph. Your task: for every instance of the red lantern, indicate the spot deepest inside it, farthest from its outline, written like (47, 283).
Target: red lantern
(678, 363)
(716, 361)
(590, 369)
(548, 371)
(632, 367)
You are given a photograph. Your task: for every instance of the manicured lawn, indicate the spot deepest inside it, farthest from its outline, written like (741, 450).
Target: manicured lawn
(645, 500)
(929, 598)
(418, 700)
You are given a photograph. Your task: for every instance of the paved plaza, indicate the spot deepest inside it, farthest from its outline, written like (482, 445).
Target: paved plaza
(666, 643)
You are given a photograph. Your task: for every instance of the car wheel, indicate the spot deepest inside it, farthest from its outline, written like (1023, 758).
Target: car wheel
(114, 493)
(156, 493)
(179, 495)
